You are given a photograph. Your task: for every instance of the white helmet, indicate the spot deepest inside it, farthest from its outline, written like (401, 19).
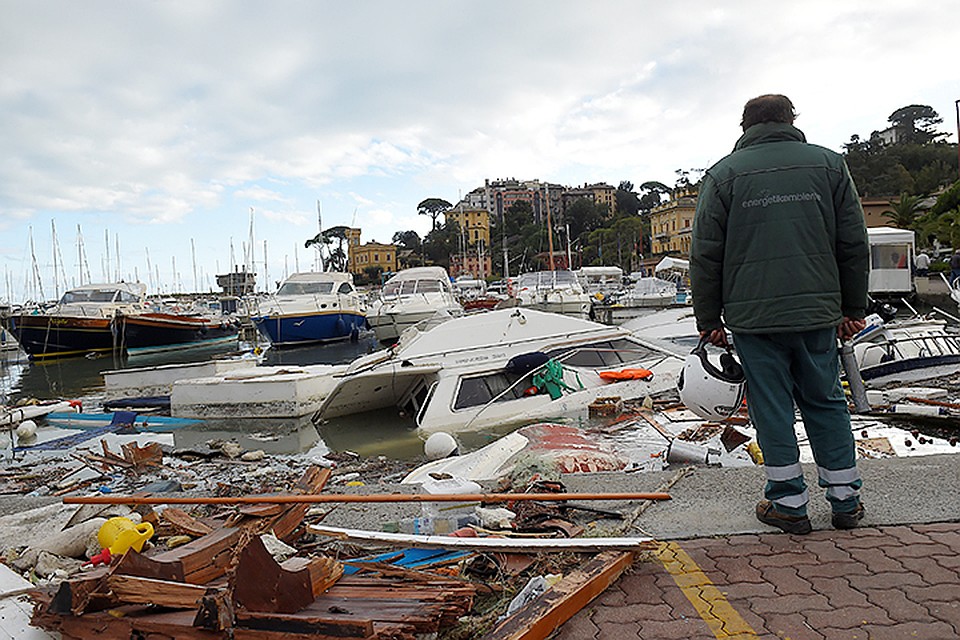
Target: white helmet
(710, 392)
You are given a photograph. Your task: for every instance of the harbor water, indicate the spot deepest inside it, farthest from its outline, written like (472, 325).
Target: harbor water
(380, 433)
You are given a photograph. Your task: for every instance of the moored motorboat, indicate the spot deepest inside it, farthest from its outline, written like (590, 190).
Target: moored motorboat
(150, 332)
(81, 323)
(312, 307)
(554, 292)
(409, 297)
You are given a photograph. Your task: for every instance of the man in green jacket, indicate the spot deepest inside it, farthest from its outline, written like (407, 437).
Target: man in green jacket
(779, 256)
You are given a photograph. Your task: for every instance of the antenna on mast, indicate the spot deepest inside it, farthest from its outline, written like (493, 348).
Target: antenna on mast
(36, 268)
(193, 255)
(319, 261)
(154, 285)
(83, 265)
(106, 263)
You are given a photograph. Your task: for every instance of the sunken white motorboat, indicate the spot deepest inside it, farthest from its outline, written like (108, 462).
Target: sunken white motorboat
(500, 368)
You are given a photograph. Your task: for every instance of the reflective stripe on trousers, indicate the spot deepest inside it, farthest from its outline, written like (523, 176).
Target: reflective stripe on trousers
(800, 369)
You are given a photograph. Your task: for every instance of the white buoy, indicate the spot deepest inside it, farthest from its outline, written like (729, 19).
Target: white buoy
(27, 430)
(440, 445)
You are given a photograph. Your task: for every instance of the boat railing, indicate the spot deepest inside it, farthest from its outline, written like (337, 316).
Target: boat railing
(926, 346)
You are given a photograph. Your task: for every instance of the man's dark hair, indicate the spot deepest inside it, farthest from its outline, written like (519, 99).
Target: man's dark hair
(771, 107)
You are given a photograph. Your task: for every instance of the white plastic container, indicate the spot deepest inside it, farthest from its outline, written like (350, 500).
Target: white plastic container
(449, 486)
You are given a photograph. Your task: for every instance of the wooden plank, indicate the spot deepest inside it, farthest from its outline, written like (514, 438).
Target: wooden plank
(487, 544)
(183, 522)
(543, 616)
(164, 593)
(327, 624)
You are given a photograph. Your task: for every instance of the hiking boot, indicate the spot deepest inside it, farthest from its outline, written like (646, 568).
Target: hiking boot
(848, 520)
(768, 514)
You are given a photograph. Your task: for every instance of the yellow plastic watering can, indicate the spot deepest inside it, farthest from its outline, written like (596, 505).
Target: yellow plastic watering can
(120, 534)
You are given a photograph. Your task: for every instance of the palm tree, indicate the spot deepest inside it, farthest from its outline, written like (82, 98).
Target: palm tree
(903, 213)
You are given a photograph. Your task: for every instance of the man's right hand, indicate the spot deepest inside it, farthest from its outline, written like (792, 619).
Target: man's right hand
(850, 327)
(716, 337)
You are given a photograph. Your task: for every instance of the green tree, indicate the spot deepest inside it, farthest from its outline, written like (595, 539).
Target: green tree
(903, 213)
(583, 216)
(942, 222)
(433, 207)
(628, 202)
(652, 194)
(372, 274)
(440, 243)
(333, 258)
(916, 124)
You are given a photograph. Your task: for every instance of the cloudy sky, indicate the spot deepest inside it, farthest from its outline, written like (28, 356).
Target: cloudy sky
(154, 127)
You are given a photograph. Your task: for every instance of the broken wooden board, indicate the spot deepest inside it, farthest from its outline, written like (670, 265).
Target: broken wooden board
(487, 544)
(559, 603)
(261, 585)
(283, 520)
(369, 606)
(183, 522)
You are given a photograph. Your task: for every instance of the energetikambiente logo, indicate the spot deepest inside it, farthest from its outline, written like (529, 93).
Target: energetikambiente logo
(768, 199)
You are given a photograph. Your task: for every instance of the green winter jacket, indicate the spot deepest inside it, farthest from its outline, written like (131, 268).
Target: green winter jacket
(779, 240)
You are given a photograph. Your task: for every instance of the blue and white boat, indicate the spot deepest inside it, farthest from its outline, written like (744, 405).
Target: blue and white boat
(312, 307)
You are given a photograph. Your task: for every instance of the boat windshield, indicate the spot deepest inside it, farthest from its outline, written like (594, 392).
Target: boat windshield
(549, 280)
(304, 288)
(96, 295)
(411, 287)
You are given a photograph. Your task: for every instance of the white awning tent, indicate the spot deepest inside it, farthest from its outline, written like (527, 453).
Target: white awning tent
(891, 260)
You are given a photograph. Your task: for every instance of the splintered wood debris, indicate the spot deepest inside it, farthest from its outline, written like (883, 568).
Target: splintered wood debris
(225, 583)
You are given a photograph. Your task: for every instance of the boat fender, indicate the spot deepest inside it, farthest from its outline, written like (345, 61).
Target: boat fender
(76, 405)
(526, 362)
(626, 374)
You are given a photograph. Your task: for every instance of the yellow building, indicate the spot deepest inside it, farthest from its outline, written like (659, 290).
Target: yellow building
(474, 221)
(361, 257)
(604, 194)
(671, 224)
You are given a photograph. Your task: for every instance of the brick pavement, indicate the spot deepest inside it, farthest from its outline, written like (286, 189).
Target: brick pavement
(876, 583)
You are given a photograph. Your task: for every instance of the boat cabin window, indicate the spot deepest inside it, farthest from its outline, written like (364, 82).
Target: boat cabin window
(345, 289)
(97, 295)
(609, 353)
(479, 390)
(428, 286)
(305, 288)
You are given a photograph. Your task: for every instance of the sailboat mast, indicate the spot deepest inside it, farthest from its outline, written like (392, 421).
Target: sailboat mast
(106, 264)
(38, 283)
(318, 262)
(549, 226)
(266, 275)
(56, 277)
(193, 255)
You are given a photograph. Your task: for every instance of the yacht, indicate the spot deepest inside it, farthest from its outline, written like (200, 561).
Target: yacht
(412, 296)
(81, 323)
(312, 307)
(554, 292)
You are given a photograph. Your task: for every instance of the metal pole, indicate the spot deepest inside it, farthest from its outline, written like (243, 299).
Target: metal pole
(858, 390)
(956, 104)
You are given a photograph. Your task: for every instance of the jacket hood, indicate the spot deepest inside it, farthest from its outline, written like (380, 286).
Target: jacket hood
(769, 132)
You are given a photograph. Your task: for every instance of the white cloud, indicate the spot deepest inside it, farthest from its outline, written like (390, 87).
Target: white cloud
(180, 115)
